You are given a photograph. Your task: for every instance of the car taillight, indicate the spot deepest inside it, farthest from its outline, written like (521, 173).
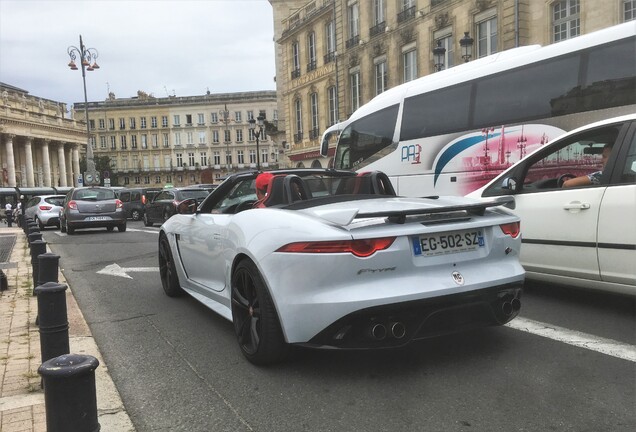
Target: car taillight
(45, 207)
(359, 248)
(511, 229)
(119, 204)
(72, 205)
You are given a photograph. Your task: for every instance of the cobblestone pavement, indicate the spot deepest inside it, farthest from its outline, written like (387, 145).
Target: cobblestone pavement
(22, 407)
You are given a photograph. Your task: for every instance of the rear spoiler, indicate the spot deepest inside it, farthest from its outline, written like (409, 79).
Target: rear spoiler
(477, 209)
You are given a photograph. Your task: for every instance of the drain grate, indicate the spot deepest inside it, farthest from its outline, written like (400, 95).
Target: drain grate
(6, 246)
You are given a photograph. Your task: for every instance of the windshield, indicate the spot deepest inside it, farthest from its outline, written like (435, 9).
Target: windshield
(363, 140)
(95, 194)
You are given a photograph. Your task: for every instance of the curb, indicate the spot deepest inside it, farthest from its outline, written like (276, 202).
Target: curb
(22, 405)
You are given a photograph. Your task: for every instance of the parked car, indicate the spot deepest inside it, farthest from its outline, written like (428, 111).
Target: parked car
(165, 203)
(92, 207)
(333, 259)
(585, 235)
(135, 200)
(44, 210)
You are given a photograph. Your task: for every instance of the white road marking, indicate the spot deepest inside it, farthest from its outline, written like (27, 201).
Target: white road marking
(582, 340)
(142, 230)
(116, 270)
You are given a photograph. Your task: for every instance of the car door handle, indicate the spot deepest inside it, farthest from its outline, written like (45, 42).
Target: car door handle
(576, 205)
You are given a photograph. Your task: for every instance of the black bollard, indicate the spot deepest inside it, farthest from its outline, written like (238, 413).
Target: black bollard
(38, 247)
(32, 230)
(53, 320)
(35, 235)
(70, 397)
(48, 268)
(28, 225)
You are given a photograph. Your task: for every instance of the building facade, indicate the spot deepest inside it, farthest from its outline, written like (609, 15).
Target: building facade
(183, 140)
(39, 145)
(335, 55)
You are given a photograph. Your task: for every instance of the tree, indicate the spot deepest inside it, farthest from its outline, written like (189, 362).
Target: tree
(102, 163)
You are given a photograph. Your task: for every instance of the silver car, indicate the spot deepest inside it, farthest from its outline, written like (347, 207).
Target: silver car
(44, 210)
(92, 207)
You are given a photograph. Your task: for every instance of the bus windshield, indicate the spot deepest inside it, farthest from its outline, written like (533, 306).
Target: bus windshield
(365, 139)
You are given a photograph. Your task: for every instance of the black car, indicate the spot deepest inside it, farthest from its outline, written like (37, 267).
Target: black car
(165, 203)
(135, 200)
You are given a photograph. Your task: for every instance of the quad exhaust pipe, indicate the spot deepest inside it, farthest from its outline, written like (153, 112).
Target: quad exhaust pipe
(379, 331)
(510, 307)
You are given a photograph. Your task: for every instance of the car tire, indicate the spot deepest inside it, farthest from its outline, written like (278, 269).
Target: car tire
(110, 228)
(40, 224)
(167, 269)
(135, 215)
(256, 323)
(166, 215)
(62, 227)
(147, 222)
(122, 228)
(69, 230)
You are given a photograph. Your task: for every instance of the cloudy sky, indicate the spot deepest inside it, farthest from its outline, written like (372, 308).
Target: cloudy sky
(182, 47)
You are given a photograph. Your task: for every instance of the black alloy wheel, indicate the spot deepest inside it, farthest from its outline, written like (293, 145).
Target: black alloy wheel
(135, 215)
(167, 269)
(255, 320)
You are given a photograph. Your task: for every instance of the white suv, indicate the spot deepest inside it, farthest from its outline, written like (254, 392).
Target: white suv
(584, 235)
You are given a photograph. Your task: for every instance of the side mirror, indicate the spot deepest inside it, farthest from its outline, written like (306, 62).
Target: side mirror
(509, 183)
(188, 206)
(324, 145)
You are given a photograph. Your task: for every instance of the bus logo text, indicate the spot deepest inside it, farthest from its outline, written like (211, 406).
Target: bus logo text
(412, 153)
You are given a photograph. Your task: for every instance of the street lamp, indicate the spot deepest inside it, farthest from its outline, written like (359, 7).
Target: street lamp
(439, 51)
(467, 46)
(86, 55)
(225, 114)
(260, 121)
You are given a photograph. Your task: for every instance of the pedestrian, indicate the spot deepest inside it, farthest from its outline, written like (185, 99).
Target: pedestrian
(9, 213)
(17, 213)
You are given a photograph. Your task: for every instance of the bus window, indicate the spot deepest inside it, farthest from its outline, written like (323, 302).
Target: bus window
(364, 139)
(436, 113)
(525, 93)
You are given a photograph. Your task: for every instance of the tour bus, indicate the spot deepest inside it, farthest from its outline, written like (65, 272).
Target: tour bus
(451, 132)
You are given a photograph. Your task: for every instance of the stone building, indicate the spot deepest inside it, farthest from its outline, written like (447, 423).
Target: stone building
(333, 56)
(39, 144)
(183, 140)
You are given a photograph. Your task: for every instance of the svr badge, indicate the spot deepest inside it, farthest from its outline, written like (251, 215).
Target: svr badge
(458, 278)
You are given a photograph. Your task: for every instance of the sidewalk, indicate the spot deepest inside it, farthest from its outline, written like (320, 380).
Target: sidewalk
(21, 398)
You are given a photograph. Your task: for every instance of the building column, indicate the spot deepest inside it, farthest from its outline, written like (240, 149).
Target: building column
(46, 163)
(10, 160)
(28, 151)
(69, 164)
(61, 159)
(76, 165)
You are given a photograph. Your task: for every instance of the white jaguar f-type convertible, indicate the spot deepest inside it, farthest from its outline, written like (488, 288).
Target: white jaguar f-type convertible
(333, 259)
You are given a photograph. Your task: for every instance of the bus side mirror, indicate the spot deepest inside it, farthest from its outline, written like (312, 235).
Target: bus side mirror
(509, 183)
(324, 145)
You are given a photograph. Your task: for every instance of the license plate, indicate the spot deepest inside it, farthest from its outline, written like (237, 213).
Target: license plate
(448, 242)
(97, 218)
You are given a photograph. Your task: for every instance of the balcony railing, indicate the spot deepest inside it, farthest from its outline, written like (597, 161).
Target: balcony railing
(329, 57)
(311, 66)
(377, 29)
(406, 14)
(355, 40)
(313, 134)
(295, 73)
(298, 137)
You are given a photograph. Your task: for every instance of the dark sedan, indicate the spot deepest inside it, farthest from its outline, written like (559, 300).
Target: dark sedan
(164, 205)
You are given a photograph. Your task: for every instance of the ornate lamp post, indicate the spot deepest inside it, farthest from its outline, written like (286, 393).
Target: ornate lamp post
(439, 51)
(225, 115)
(467, 47)
(86, 55)
(260, 121)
